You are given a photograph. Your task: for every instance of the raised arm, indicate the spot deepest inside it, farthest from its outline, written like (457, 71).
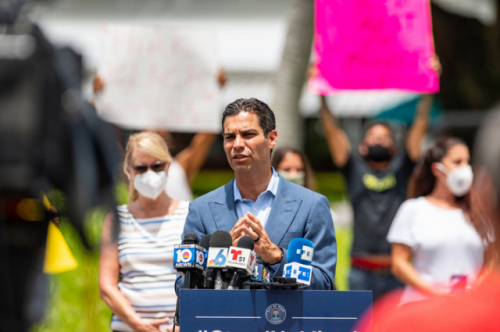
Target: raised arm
(417, 131)
(109, 269)
(420, 125)
(193, 157)
(337, 140)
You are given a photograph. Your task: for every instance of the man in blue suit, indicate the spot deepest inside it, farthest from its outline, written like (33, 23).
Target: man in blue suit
(260, 203)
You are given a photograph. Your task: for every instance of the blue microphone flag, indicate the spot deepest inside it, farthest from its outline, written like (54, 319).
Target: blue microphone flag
(300, 251)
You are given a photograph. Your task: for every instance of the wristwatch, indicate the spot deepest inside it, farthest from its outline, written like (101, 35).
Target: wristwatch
(281, 259)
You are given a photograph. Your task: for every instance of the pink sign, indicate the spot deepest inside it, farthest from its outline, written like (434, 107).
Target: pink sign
(373, 44)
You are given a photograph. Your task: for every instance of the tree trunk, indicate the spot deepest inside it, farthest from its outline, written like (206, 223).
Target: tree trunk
(289, 79)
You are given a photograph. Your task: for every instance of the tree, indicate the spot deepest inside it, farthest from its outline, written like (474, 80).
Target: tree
(290, 77)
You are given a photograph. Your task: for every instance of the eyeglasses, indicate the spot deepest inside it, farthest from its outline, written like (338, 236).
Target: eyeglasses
(157, 166)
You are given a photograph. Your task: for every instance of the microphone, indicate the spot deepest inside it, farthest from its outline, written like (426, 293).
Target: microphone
(241, 258)
(260, 272)
(205, 243)
(189, 259)
(217, 254)
(300, 256)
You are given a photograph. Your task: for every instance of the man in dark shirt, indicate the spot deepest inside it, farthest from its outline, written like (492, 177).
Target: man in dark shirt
(377, 183)
(475, 309)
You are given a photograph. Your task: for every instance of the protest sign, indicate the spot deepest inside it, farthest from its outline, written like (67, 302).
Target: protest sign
(373, 44)
(158, 77)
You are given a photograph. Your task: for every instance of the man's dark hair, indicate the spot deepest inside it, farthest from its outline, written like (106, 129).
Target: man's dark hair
(370, 124)
(266, 117)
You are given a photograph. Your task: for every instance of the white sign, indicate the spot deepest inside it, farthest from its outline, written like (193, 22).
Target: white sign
(158, 77)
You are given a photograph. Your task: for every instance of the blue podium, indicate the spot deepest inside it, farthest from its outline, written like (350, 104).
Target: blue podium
(272, 310)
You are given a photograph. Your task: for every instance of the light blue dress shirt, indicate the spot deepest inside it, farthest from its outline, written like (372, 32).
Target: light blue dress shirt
(262, 206)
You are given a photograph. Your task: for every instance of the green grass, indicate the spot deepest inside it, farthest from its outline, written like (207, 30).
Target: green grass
(74, 304)
(207, 181)
(344, 240)
(332, 185)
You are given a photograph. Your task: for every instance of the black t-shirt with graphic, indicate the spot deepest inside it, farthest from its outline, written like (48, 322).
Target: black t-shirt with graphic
(376, 197)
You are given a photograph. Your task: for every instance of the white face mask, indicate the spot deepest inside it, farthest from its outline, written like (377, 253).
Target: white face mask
(150, 184)
(459, 180)
(298, 178)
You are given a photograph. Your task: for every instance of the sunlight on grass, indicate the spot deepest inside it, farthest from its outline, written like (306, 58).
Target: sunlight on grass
(344, 240)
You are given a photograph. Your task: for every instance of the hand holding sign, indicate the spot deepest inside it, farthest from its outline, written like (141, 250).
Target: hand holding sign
(159, 77)
(372, 44)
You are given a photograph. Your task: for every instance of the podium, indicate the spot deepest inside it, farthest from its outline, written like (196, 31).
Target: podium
(272, 310)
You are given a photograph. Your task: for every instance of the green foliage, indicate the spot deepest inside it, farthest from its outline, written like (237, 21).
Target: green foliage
(332, 185)
(121, 193)
(207, 181)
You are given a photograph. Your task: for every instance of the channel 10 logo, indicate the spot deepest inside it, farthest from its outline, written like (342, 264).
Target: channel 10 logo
(200, 257)
(184, 255)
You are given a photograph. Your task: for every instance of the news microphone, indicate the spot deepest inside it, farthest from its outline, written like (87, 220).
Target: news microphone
(241, 258)
(205, 243)
(189, 258)
(217, 254)
(300, 256)
(260, 272)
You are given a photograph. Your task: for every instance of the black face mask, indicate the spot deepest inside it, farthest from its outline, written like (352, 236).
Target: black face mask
(378, 153)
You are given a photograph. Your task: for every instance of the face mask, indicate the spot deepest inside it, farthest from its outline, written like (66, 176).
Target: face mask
(459, 180)
(378, 153)
(299, 178)
(150, 184)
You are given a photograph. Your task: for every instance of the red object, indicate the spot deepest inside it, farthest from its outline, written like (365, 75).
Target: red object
(236, 253)
(367, 264)
(477, 309)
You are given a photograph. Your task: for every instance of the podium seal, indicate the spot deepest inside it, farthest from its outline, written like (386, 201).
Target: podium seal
(275, 314)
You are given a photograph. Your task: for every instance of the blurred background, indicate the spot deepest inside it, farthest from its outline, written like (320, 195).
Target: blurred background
(264, 48)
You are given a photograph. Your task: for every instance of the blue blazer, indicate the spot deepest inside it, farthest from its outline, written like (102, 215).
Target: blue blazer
(296, 212)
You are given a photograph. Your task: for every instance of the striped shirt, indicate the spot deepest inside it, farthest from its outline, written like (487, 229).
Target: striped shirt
(145, 253)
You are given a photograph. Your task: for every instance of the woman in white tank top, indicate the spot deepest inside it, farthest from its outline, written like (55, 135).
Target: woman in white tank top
(136, 276)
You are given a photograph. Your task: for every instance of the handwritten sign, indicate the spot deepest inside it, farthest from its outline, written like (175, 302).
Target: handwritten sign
(160, 78)
(373, 44)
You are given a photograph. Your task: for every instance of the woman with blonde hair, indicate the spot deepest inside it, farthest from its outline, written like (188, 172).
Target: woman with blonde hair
(136, 277)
